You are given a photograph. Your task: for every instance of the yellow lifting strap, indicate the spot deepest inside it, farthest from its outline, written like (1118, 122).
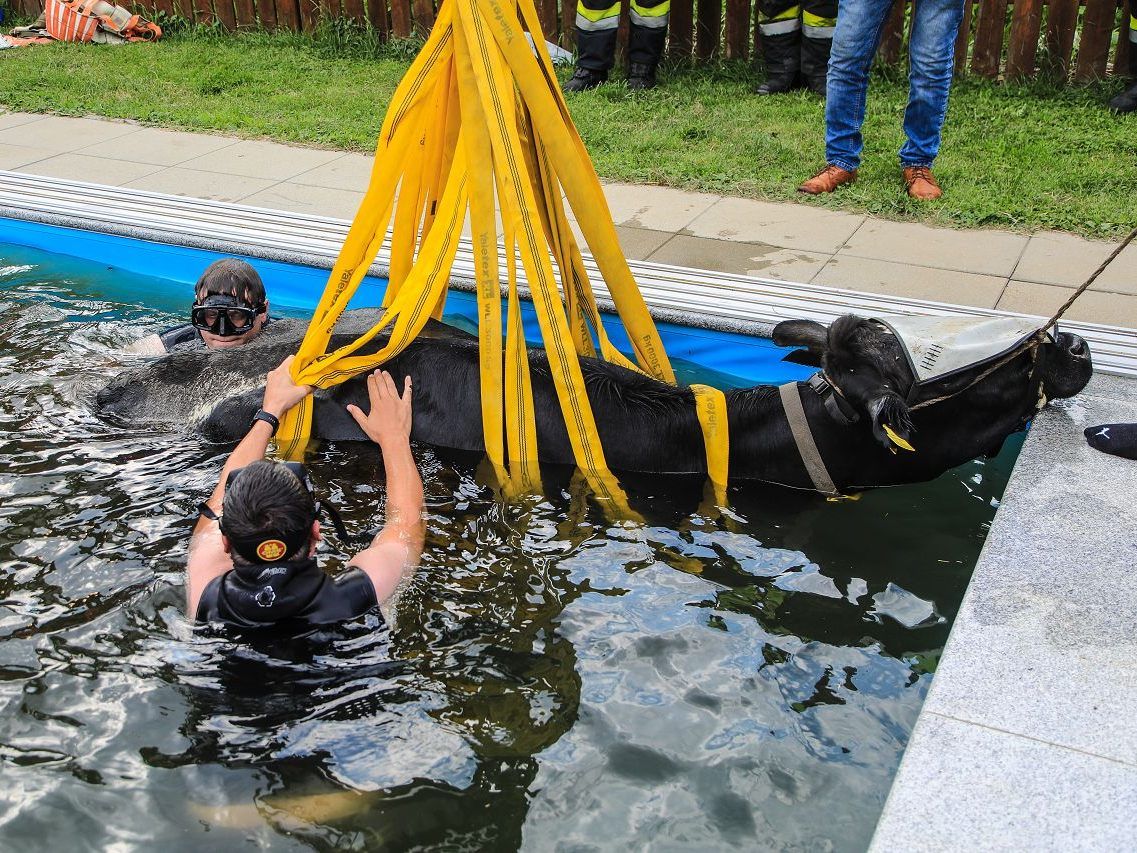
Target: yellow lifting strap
(480, 117)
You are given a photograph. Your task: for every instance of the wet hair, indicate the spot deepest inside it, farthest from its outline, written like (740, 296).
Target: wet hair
(231, 277)
(267, 498)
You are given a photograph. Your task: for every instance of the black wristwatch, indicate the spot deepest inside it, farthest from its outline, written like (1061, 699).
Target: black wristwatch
(272, 420)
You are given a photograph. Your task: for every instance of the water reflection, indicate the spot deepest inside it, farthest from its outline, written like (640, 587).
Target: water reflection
(555, 680)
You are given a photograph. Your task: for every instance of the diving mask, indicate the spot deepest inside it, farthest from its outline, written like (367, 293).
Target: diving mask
(224, 315)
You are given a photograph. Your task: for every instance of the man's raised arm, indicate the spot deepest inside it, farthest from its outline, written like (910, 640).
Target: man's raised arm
(398, 545)
(207, 556)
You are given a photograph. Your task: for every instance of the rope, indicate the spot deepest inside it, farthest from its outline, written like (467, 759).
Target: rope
(1036, 340)
(1093, 277)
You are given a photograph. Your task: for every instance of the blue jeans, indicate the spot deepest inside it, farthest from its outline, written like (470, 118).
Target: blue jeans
(931, 50)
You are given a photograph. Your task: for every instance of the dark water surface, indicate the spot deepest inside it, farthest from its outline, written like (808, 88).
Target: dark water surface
(555, 681)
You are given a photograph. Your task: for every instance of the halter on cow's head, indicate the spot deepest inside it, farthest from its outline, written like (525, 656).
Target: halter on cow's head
(885, 368)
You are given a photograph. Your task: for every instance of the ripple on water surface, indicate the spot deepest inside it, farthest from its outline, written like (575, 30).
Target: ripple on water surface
(555, 681)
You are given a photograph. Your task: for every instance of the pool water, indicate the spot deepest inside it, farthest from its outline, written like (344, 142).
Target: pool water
(554, 682)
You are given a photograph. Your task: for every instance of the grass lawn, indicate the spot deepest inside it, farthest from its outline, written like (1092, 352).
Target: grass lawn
(1020, 157)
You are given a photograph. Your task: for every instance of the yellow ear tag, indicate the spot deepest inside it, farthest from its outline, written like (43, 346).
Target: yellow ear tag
(896, 439)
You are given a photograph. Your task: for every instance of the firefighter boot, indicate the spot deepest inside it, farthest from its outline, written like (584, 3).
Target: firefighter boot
(583, 79)
(1126, 102)
(815, 63)
(783, 61)
(641, 76)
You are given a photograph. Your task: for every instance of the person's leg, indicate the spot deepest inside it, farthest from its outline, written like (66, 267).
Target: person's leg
(931, 52)
(596, 23)
(855, 40)
(819, 22)
(1126, 102)
(647, 34)
(779, 30)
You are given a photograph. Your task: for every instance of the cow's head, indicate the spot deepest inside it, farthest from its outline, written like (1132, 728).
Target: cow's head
(864, 361)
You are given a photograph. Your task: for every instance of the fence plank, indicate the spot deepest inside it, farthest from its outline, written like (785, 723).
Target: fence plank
(1061, 24)
(164, 7)
(1098, 22)
(989, 38)
(203, 12)
(184, 9)
(353, 10)
(223, 9)
(400, 18)
(308, 14)
(246, 14)
(266, 14)
(287, 14)
(963, 40)
(1121, 59)
(329, 10)
(892, 37)
(708, 28)
(549, 15)
(737, 29)
(568, 24)
(424, 16)
(682, 27)
(1026, 21)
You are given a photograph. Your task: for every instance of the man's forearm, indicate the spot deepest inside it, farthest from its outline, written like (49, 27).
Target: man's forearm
(404, 492)
(252, 447)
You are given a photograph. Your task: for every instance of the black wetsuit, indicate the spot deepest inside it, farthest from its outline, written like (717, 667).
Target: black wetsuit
(184, 336)
(291, 596)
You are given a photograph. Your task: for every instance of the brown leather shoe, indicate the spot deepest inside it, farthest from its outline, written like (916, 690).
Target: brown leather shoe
(827, 180)
(921, 183)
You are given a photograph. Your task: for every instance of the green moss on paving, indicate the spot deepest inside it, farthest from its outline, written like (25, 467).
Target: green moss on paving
(1023, 157)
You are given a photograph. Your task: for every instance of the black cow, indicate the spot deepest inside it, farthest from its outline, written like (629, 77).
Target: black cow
(644, 425)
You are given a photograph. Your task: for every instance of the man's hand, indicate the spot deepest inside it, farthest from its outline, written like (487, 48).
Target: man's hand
(281, 393)
(388, 423)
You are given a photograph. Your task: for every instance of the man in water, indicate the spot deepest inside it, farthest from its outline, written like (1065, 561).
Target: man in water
(252, 557)
(230, 309)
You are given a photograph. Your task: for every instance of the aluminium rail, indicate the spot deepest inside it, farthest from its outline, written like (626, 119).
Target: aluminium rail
(689, 296)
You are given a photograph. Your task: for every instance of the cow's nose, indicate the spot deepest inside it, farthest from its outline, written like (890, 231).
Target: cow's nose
(1078, 347)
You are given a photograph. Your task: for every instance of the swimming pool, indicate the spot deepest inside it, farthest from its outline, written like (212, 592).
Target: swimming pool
(701, 680)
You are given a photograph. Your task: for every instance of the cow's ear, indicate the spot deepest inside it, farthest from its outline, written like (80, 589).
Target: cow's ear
(891, 422)
(801, 333)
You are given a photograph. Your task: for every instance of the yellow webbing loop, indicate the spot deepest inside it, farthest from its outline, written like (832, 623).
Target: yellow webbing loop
(710, 406)
(479, 118)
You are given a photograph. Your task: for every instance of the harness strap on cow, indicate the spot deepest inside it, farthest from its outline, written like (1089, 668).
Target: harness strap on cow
(480, 116)
(710, 406)
(803, 438)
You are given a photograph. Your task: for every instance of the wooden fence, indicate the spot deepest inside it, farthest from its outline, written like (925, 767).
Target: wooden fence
(1015, 38)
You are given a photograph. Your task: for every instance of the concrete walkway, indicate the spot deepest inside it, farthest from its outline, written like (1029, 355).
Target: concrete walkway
(792, 242)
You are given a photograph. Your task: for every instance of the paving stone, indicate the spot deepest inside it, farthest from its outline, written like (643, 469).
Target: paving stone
(639, 243)
(190, 182)
(1115, 309)
(971, 789)
(14, 156)
(320, 201)
(15, 119)
(1045, 643)
(159, 147)
(63, 133)
(988, 252)
(95, 170)
(1121, 275)
(757, 259)
(1052, 257)
(899, 279)
(349, 172)
(257, 159)
(791, 226)
(655, 208)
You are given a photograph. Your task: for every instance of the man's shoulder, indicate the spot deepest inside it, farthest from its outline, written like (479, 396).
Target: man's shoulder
(183, 336)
